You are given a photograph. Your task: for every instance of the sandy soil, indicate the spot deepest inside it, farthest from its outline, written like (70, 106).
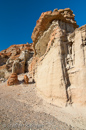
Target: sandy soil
(22, 109)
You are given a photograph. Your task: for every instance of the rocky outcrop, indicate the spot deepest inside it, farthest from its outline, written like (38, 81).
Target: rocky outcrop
(13, 80)
(58, 66)
(47, 18)
(15, 59)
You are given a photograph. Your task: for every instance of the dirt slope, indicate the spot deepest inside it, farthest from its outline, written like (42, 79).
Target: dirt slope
(22, 109)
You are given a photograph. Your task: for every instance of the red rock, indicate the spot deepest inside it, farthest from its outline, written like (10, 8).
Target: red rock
(9, 55)
(26, 79)
(47, 17)
(13, 80)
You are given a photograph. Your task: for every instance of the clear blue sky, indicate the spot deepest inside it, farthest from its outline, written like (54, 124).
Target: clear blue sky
(18, 17)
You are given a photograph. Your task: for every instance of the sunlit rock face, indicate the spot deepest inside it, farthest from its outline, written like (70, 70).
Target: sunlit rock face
(15, 59)
(58, 66)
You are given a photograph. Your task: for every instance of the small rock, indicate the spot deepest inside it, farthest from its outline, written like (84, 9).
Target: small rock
(26, 79)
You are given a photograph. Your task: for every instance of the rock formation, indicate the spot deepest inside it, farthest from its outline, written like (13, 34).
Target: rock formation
(59, 63)
(13, 80)
(26, 79)
(15, 59)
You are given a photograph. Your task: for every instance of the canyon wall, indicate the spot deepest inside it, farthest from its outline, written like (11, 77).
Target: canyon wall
(58, 66)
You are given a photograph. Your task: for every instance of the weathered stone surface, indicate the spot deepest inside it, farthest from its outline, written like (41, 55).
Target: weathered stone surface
(2, 74)
(49, 75)
(18, 66)
(77, 71)
(13, 80)
(32, 66)
(60, 68)
(46, 19)
(59, 62)
(16, 56)
(26, 79)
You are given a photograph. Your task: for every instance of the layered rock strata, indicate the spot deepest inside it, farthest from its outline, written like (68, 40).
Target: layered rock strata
(65, 18)
(58, 66)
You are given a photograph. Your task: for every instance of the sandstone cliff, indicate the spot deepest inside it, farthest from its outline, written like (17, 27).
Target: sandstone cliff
(59, 63)
(15, 58)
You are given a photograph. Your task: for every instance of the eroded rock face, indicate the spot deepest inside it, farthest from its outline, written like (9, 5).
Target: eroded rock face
(15, 58)
(13, 80)
(59, 47)
(46, 19)
(77, 65)
(18, 66)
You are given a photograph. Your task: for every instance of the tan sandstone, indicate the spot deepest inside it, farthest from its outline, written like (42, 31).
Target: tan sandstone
(60, 68)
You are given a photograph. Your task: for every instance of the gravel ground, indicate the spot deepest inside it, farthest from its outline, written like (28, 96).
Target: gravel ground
(22, 109)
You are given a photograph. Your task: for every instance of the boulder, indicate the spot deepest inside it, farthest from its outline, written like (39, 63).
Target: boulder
(13, 80)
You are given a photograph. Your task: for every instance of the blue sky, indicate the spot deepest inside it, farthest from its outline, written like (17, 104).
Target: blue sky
(18, 17)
